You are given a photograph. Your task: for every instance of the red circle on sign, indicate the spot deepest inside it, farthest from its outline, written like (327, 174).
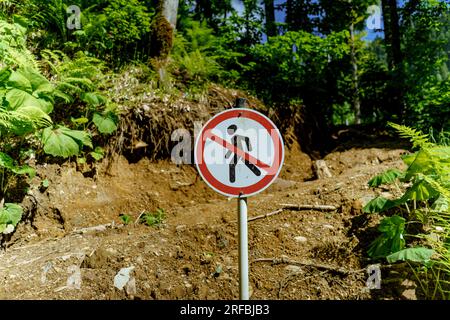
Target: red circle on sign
(239, 191)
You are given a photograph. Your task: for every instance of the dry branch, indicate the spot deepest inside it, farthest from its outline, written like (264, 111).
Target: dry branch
(296, 208)
(276, 261)
(308, 207)
(99, 228)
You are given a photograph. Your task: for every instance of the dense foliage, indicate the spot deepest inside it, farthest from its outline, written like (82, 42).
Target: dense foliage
(416, 226)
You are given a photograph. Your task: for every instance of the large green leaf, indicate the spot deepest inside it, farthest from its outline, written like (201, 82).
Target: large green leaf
(106, 124)
(93, 99)
(379, 204)
(82, 137)
(64, 142)
(409, 158)
(386, 177)
(38, 82)
(4, 75)
(391, 240)
(420, 191)
(11, 214)
(18, 98)
(442, 204)
(8, 163)
(18, 80)
(422, 164)
(418, 254)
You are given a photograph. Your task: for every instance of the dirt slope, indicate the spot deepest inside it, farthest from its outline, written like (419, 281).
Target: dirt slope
(194, 254)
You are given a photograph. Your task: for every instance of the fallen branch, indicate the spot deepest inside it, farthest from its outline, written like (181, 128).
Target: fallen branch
(99, 228)
(276, 261)
(296, 208)
(265, 215)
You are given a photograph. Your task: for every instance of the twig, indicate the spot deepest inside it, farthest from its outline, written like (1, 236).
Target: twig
(99, 228)
(283, 260)
(296, 208)
(265, 215)
(139, 217)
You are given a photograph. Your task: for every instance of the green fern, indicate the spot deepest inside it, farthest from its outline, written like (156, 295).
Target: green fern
(13, 49)
(417, 137)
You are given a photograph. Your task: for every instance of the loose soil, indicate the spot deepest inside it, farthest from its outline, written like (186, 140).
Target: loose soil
(193, 254)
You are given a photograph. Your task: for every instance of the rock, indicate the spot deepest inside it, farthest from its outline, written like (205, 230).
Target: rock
(123, 277)
(409, 284)
(357, 207)
(282, 184)
(180, 253)
(139, 260)
(74, 280)
(218, 271)
(321, 169)
(130, 287)
(328, 226)
(409, 294)
(300, 239)
(293, 269)
(99, 258)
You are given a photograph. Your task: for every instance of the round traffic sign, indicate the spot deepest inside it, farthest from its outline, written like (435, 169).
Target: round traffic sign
(239, 152)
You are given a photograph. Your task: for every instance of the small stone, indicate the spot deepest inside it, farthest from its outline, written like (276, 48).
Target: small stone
(180, 253)
(180, 228)
(139, 260)
(409, 284)
(409, 294)
(300, 239)
(293, 269)
(130, 287)
(328, 226)
(123, 277)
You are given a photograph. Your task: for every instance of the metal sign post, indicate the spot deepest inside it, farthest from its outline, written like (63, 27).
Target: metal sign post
(239, 153)
(243, 248)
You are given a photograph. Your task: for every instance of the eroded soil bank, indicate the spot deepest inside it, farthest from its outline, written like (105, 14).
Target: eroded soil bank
(306, 254)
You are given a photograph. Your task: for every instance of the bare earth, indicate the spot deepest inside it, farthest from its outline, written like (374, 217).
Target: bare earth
(193, 255)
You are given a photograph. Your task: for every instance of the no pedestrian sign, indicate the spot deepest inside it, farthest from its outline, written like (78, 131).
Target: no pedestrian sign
(239, 152)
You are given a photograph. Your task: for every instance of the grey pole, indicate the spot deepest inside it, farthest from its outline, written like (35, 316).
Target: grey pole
(243, 249)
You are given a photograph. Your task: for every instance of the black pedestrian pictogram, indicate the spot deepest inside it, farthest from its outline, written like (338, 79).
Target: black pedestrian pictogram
(238, 142)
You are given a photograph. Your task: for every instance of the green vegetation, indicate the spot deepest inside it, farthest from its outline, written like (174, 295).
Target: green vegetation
(153, 219)
(315, 69)
(419, 216)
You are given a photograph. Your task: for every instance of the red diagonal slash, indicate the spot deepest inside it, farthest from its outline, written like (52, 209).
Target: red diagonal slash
(269, 169)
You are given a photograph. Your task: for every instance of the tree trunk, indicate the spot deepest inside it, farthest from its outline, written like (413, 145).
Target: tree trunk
(392, 32)
(355, 77)
(271, 28)
(393, 49)
(170, 11)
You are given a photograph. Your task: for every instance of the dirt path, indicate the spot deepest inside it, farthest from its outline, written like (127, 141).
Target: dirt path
(194, 254)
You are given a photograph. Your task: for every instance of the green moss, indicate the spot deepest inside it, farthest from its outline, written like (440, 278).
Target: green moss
(162, 36)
